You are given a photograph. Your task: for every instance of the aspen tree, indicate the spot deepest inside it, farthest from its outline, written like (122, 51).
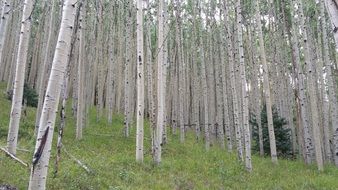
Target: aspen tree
(42, 151)
(6, 7)
(330, 78)
(44, 67)
(311, 85)
(305, 130)
(225, 92)
(266, 85)
(140, 83)
(246, 130)
(81, 74)
(26, 20)
(332, 9)
(160, 85)
(230, 50)
(205, 91)
(127, 71)
(181, 75)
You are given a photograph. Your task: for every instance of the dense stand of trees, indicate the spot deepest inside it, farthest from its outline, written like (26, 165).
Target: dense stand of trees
(206, 67)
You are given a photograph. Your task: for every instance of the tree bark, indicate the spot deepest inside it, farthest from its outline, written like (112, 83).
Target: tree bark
(266, 85)
(19, 81)
(140, 83)
(42, 151)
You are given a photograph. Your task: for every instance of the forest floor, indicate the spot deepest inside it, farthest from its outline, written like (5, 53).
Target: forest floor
(111, 157)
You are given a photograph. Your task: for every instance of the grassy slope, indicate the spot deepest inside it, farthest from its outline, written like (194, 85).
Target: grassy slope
(184, 166)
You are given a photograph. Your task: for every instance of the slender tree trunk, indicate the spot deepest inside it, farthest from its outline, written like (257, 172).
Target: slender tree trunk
(231, 61)
(227, 125)
(332, 9)
(245, 98)
(44, 68)
(42, 151)
(12, 138)
(127, 73)
(181, 75)
(140, 83)
(160, 85)
(311, 85)
(266, 85)
(330, 79)
(7, 5)
(81, 74)
(64, 93)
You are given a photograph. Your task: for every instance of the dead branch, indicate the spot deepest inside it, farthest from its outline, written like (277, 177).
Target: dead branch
(77, 161)
(13, 157)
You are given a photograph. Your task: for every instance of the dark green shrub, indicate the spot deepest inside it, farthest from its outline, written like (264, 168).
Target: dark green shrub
(282, 134)
(29, 96)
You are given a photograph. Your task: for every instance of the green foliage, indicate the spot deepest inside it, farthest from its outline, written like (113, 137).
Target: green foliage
(184, 166)
(29, 96)
(282, 134)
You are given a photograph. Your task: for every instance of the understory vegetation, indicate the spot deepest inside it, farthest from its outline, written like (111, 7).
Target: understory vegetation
(110, 157)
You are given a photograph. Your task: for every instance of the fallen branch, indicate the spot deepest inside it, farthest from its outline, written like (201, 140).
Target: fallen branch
(14, 157)
(77, 161)
(23, 150)
(97, 134)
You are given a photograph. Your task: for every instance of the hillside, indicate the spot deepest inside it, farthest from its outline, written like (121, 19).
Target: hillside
(185, 166)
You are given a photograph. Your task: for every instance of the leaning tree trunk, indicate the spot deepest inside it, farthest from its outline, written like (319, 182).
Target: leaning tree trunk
(332, 9)
(266, 86)
(44, 67)
(43, 145)
(140, 83)
(19, 81)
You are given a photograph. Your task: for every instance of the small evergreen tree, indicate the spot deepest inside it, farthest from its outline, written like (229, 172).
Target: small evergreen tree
(282, 134)
(29, 96)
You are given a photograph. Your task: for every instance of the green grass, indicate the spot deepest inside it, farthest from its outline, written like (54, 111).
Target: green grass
(184, 166)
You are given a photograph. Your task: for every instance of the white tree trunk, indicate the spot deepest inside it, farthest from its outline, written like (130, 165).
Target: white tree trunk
(44, 68)
(330, 77)
(238, 133)
(311, 85)
(12, 138)
(3, 26)
(245, 97)
(127, 73)
(332, 9)
(140, 83)
(266, 85)
(43, 145)
(81, 74)
(160, 86)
